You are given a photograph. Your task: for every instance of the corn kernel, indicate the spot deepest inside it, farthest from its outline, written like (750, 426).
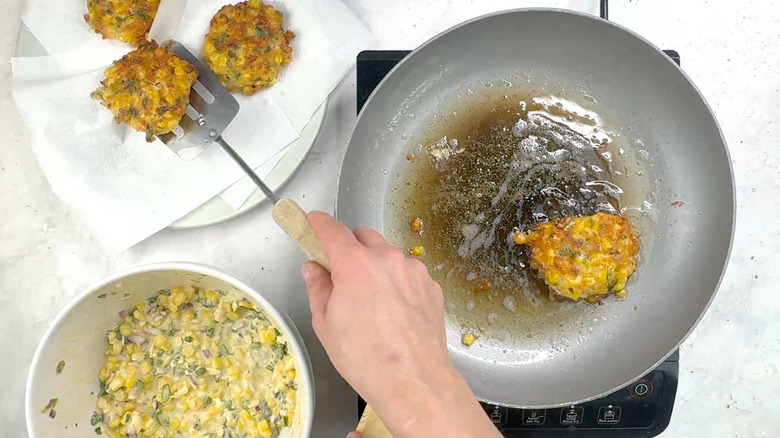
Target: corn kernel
(125, 329)
(115, 383)
(178, 298)
(116, 348)
(233, 373)
(161, 342)
(468, 339)
(264, 428)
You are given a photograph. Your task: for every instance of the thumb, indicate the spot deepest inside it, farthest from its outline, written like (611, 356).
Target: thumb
(318, 287)
(354, 435)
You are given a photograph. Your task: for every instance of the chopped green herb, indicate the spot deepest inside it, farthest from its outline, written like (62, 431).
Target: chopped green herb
(266, 410)
(103, 388)
(172, 329)
(188, 339)
(97, 417)
(210, 331)
(259, 31)
(166, 393)
(206, 401)
(280, 350)
(200, 371)
(102, 296)
(132, 85)
(98, 431)
(51, 405)
(60, 367)
(269, 367)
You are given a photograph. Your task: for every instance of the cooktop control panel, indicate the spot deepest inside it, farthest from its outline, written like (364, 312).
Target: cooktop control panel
(641, 410)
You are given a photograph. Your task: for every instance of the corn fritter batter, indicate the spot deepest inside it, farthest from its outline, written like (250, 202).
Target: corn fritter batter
(149, 89)
(584, 257)
(124, 20)
(247, 47)
(189, 362)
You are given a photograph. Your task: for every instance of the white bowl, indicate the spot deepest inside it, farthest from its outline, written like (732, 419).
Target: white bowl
(77, 336)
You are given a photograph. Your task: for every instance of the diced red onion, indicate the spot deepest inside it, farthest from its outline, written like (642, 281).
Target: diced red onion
(122, 313)
(136, 339)
(52, 413)
(206, 354)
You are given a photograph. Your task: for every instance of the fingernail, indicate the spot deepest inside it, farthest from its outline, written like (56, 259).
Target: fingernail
(306, 271)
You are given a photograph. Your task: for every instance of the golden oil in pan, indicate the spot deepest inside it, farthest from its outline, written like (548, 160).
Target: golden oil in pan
(475, 177)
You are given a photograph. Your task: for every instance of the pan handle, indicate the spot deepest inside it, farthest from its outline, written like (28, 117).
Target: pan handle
(370, 426)
(604, 9)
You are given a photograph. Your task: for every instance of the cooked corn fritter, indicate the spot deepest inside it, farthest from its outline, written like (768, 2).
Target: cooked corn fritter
(196, 363)
(584, 257)
(124, 20)
(149, 89)
(247, 46)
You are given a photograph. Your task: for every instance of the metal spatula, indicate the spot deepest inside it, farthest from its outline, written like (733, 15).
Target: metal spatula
(212, 108)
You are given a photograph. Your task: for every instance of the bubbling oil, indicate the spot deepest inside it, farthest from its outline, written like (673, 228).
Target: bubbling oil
(477, 177)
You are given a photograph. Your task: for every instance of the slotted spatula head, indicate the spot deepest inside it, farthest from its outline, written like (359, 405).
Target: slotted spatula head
(212, 108)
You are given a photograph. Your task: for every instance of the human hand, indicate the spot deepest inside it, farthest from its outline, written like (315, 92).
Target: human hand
(380, 317)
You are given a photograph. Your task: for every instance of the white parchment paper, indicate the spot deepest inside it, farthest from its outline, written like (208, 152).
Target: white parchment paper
(126, 189)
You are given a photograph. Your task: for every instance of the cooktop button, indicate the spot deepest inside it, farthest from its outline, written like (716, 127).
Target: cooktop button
(641, 389)
(609, 415)
(572, 416)
(534, 417)
(497, 414)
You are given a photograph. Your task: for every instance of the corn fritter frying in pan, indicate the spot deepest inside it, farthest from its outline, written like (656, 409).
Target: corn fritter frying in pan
(149, 89)
(247, 47)
(124, 20)
(585, 257)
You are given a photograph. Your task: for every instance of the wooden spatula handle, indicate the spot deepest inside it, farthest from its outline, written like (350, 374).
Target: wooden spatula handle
(371, 426)
(291, 217)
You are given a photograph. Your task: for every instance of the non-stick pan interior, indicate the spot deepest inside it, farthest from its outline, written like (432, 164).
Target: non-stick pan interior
(635, 85)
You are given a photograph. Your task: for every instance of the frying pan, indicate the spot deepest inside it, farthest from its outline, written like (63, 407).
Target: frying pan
(596, 349)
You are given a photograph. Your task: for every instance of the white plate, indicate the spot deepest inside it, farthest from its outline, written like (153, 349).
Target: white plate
(215, 210)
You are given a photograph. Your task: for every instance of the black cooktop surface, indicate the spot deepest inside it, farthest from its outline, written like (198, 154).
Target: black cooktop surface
(641, 410)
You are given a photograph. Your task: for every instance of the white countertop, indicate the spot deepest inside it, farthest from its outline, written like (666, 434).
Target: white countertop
(730, 366)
